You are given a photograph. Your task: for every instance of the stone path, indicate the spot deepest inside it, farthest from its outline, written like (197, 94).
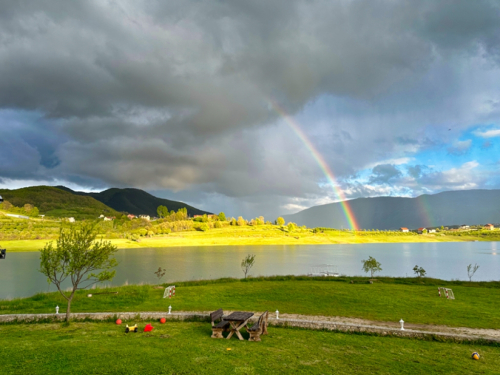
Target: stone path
(334, 323)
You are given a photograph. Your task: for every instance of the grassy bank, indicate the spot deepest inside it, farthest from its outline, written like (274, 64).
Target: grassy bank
(186, 348)
(259, 235)
(386, 299)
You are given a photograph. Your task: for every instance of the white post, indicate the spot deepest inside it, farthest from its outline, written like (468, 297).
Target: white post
(169, 310)
(277, 314)
(57, 310)
(402, 324)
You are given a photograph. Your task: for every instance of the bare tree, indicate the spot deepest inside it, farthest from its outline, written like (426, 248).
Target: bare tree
(471, 270)
(247, 263)
(79, 258)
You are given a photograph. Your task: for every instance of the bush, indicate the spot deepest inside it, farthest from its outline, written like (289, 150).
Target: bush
(203, 227)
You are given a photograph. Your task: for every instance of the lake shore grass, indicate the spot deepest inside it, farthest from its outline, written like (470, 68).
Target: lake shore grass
(387, 299)
(186, 348)
(258, 236)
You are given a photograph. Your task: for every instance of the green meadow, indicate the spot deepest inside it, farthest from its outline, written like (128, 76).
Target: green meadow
(254, 235)
(186, 348)
(387, 299)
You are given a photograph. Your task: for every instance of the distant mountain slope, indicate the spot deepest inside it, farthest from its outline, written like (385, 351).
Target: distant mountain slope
(446, 208)
(135, 201)
(56, 202)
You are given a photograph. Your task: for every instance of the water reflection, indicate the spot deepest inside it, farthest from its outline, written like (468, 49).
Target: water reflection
(19, 274)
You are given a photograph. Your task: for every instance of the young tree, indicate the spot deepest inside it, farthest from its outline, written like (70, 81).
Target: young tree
(371, 265)
(241, 222)
(471, 270)
(79, 258)
(222, 216)
(280, 221)
(162, 211)
(247, 263)
(160, 273)
(419, 271)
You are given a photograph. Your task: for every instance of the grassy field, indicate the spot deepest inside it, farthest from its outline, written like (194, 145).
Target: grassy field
(387, 299)
(257, 235)
(186, 348)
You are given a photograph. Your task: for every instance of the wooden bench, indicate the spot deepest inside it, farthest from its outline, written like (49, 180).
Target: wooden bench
(218, 328)
(259, 328)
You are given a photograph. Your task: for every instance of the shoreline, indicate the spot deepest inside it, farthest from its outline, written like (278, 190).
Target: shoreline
(196, 239)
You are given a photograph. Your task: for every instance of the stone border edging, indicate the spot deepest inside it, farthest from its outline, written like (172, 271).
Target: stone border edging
(297, 323)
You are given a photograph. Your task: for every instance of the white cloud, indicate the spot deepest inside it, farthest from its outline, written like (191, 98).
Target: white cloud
(488, 133)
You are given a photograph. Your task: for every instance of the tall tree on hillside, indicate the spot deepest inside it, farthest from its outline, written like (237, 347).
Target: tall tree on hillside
(78, 258)
(162, 211)
(222, 216)
(280, 221)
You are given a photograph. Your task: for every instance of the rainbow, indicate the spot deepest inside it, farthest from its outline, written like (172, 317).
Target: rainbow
(351, 219)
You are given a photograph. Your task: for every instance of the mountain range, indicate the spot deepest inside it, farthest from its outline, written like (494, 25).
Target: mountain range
(135, 201)
(449, 208)
(61, 201)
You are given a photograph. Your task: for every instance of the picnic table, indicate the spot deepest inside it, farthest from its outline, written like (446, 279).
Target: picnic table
(238, 320)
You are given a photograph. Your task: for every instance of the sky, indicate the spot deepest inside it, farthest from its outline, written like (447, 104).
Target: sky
(241, 106)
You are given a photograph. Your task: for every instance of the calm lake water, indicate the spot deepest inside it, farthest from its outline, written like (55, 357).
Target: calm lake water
(19, 276)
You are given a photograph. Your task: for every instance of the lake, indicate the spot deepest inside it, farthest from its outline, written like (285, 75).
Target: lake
(19, 276)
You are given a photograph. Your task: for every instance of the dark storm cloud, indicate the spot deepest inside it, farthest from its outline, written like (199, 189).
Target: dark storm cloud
(175, 95)
(415, 171)
(384, 173)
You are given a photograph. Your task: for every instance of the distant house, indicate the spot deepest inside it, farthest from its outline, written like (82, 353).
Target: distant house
(420, 230)
(108, 218)
(430, 230)
(208, 216)
(464, 226)
(71, 219)
(404, 230)
(130, 216)
(489, 227)
(145, 217)
(101, 216)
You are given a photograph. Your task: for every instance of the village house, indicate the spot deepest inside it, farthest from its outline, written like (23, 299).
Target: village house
(464, 226)
(404, 230)
(108, 218)
(489, 227)
(130, 216)
(430, 230)
(71, 219)
(145, 217)
(209, 216)
(420, 230)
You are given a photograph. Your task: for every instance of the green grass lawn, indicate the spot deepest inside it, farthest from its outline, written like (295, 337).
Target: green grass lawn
(476, 304)
(186, 348)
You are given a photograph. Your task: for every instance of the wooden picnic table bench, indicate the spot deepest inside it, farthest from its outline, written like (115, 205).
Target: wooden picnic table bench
(218, 328)
(238, 320)
(259, 328)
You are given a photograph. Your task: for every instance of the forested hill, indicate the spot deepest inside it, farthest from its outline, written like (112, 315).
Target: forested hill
(135, 201)
(471, 207)
(55, 202)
